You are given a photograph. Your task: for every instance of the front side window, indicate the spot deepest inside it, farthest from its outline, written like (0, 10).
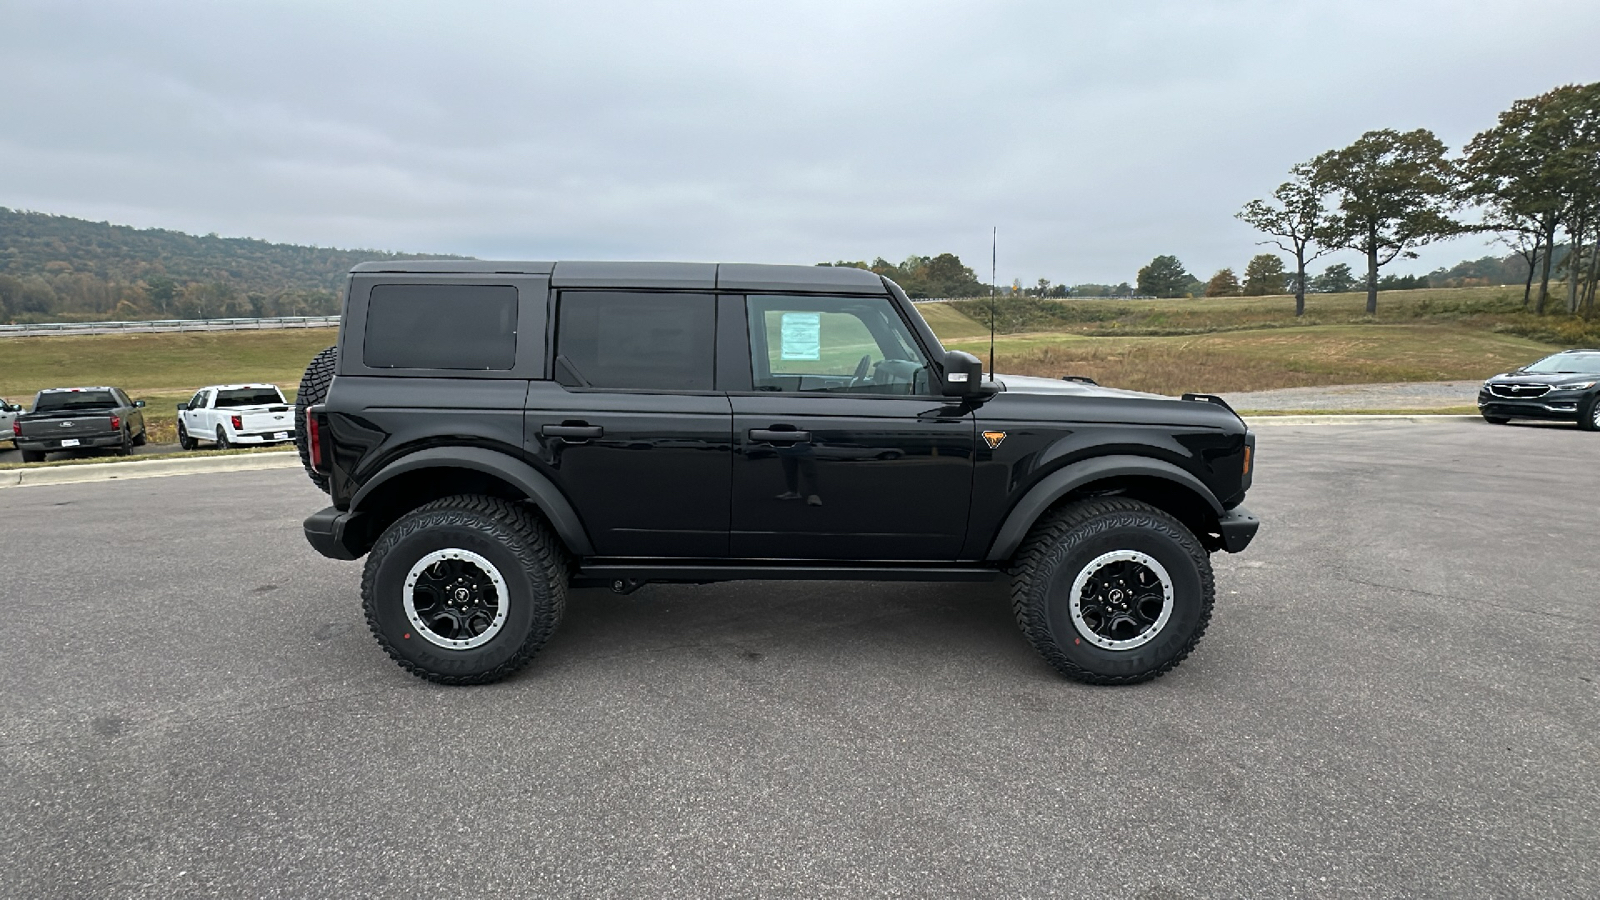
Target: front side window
(198, 401)
(856, 345)
(636, 341)
(441, 326)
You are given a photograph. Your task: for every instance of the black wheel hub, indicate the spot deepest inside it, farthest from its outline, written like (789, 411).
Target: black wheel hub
(455, 599)
(1122, 600)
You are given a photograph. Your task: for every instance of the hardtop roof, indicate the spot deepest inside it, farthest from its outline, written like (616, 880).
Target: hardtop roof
(670, 275)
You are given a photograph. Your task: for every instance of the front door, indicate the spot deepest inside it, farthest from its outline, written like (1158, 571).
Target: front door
(632, 428)
(843, 449)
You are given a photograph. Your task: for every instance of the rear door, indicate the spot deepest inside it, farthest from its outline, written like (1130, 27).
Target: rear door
(632, 424)
(842, 448)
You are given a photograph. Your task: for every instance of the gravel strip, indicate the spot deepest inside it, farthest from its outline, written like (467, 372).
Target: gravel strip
(1406, 395)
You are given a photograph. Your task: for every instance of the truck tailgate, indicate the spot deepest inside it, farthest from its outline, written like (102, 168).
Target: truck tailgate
(264, 420)
(65, 426)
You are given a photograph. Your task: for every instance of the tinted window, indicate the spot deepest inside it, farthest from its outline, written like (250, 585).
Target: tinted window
(237, 397)
(659, 342)
(833, 344)
(75, 400)
(441, 326)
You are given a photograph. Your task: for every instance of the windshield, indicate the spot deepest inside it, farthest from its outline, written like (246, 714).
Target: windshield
(1586, 363)
(237, 397)
(66, 400)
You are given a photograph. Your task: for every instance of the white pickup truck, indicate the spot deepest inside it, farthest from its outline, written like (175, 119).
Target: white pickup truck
(8, 414)
(234, 415)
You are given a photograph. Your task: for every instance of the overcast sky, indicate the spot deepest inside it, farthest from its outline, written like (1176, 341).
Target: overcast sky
(1094, 135)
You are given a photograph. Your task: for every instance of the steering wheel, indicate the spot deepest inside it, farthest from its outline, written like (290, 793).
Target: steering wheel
(861, 370)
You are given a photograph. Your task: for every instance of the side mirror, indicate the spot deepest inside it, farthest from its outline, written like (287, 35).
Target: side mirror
(139, 404)
(963, 376)
(182, 407)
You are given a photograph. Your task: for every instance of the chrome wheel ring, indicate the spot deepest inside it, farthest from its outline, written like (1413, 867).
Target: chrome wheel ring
(1121, 600)
(455, 599)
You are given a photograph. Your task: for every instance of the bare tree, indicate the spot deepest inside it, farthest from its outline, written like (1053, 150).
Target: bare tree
(1299, 219)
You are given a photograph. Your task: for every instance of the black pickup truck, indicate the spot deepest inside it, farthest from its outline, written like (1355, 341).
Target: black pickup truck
(74, 419)
(493, 433)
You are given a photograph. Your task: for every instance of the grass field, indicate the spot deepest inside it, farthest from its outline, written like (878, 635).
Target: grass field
(160, 369)
(1165, 346)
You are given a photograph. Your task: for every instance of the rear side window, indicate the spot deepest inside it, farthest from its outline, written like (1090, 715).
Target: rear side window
(636, 341)
(441, 326)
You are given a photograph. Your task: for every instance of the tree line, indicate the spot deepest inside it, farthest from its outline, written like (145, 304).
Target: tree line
(1534, 177)
(59, 267)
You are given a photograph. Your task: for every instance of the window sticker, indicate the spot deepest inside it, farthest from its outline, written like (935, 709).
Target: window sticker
(802, 335)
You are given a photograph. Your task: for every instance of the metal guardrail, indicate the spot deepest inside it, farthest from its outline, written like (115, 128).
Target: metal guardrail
(49, 328)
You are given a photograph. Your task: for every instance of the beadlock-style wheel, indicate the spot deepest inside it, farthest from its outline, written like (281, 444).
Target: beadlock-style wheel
(1121, 600)
(455, 599)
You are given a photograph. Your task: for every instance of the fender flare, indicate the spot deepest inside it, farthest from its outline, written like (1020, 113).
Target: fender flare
(1075, 475)
(530, 481)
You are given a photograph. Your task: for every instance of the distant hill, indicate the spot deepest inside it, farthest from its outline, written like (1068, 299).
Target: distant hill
(58, 267)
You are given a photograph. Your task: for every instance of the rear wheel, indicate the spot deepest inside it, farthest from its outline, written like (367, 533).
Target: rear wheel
(222, 439)
(1495, 420)
(313, 390)
(464, 590)
(32, 455)
(1112, 591)
(1589, 417)
(142, 438)
(126, 447)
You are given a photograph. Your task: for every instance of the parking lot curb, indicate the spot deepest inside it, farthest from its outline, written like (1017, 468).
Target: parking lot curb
(151, 468)
(1334, 419)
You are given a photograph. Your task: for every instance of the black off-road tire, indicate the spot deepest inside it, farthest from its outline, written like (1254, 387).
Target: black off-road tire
(126, 447)
(514, 540)
(1065, 543)
(313, 390)
(1495, 420)
(142, 438)
(32, 455)
(222, 439)
(185, 442)
(1589, 416)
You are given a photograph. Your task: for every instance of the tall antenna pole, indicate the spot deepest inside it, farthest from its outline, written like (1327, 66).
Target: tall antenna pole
(994, 255)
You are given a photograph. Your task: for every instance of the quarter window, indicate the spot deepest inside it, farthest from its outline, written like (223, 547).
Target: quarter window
(441, 326)
(856, 345)
(636, 341)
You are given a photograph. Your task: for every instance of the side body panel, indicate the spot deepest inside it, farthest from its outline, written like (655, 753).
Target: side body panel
(876, 478)
(1043, 434)
(653, 482)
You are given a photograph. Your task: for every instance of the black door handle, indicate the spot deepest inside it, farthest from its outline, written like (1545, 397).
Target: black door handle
(570, 432)
(774, 436)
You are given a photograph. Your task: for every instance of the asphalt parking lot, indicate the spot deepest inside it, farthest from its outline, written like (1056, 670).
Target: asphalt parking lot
(1398, 696)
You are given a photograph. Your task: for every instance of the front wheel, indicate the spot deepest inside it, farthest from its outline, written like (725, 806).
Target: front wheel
(185, 442)
(1589, 418)
(1112, 591)
(464, 590)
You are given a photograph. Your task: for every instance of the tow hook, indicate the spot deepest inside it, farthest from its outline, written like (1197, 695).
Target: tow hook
(626, 585)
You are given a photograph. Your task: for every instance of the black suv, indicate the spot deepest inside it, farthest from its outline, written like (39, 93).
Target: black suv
(1564, 386)
(493, 433)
